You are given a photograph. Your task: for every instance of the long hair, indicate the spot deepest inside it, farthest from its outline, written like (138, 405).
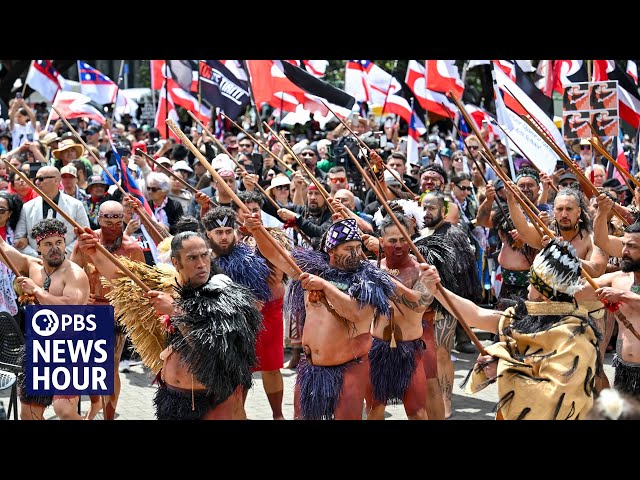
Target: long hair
(15, 205)
(584, 220)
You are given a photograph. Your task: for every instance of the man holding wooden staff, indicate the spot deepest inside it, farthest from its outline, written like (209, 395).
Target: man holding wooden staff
(546, 361)
(397, 353)
(333, 376)
(247, 267)
(211, 333)
(53, 281)
(110, 220)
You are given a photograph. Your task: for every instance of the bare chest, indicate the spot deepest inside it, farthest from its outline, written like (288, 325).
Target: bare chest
(53, 283)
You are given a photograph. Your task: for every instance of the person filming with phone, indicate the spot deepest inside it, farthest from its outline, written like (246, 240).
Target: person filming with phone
(22, 121)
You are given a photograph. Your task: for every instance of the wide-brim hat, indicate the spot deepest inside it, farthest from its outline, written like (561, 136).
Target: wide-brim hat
(278, 181)
(65, 145)
(49, 138)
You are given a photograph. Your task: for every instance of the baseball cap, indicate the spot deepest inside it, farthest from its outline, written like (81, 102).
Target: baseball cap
(69, 170)
(567, 176)
(182, 165)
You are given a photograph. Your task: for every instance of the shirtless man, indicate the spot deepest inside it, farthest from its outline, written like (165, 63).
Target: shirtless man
(571, 221)
(110, 220)
(623, 287)
(243, 265)
(573, 224)
(53, 280)
(212, 330)
(396, 355)
(333, 378)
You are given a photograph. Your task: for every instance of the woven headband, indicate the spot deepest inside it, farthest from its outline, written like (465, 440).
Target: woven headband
(111, 215)
(435, 173)
(48, 233)
(226, 221)
(527, 174)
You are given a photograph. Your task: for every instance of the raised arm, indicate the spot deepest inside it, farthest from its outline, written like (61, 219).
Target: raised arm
(473, 315)
(596, 262)
(601, 238)
(417, 298)
(483, 216)
(524, 228)
(252, 223)
(85, 250)
(341, 302)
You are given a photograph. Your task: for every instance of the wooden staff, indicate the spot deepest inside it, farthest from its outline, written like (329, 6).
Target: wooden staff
(487, 152)
(577, 172)
(140, 211)
(244, 170)
(261, 145)
(542, 127)
(189, 187)
(311, 176)
(80, 228)
(555, 189)
(586, 276)
(626, 175)
(473, 158)
(9, 263)
(238, 164)
(362, 144)
(222, 184)
(419, 256)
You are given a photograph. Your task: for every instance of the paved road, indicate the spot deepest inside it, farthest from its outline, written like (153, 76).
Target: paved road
(137, 394)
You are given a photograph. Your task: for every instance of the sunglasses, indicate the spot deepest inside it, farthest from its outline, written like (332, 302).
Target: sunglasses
(463, 188)
(153, 189)
(337, 180)
(473, 147)
(282, 187)
(308, 154)
(40, 179)
(585, 147)
(245, 145)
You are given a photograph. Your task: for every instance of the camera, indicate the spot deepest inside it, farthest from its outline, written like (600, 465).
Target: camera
(337, 152)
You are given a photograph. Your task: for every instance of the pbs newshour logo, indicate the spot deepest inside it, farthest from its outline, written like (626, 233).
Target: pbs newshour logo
(69, 349)
(45, 323)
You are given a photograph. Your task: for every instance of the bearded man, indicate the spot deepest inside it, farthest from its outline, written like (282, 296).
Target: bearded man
(112, 238)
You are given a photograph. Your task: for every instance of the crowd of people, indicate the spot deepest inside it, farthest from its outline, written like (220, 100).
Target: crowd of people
(281, 242)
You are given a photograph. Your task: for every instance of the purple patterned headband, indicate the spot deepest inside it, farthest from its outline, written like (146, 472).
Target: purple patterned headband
(341, 232)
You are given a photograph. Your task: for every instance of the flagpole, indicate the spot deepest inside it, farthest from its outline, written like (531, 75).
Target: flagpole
(115, 101)
(500, 104)
(253, 101)
(456, 118)
(153, 94)
(166, 99)
(200, 91)
(53, 102)
(24, 85)
(426, 112)
(386, 96)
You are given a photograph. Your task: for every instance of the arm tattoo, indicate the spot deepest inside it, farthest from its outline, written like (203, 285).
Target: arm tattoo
(425, 297)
